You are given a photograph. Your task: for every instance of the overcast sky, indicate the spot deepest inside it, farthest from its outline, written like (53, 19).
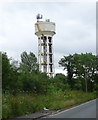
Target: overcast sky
(75, 28)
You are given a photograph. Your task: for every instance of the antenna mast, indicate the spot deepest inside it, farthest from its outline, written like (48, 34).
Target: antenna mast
(38, 17)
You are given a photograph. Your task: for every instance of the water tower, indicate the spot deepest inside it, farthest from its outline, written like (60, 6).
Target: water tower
(45, 31)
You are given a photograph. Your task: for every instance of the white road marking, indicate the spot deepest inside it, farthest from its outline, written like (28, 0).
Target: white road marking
(72, 108)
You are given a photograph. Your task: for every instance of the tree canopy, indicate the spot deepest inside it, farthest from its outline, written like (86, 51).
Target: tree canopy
(82, 74)
(28, 62)
(82, 66)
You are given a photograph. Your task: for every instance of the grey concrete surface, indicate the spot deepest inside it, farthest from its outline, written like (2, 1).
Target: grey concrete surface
(86, 110)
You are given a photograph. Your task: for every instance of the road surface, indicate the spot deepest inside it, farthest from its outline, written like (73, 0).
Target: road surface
(86, 110)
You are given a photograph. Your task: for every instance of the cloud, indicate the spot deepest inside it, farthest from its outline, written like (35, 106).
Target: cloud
(75, 27)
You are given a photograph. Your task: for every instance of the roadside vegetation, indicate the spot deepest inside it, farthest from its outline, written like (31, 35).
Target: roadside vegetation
(26, 90)
(24, 103)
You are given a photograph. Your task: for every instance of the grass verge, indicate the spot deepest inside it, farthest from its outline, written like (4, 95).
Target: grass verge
(24, 103)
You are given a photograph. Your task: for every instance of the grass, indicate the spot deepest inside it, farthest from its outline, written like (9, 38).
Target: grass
(0, 104)
(25, 103)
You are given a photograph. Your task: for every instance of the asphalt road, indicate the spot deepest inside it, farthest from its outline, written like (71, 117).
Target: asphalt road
(86, 110)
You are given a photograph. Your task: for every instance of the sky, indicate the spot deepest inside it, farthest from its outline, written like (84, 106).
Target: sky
(75, 28)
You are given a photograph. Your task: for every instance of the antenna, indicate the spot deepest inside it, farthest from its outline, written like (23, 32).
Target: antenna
(39, 16)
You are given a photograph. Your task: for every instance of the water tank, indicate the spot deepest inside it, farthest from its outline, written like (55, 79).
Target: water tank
(47, 28)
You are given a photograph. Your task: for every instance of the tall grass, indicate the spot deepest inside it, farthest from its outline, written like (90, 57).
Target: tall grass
(24, 103)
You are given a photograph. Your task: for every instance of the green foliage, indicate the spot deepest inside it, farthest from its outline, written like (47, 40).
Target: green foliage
(28, 62)
(25, 77)
(68, 63)
(6, 68)
(81, 69)
(35, 82)
(82, 66)
(59, 82)
(26, 103)
(27, 90)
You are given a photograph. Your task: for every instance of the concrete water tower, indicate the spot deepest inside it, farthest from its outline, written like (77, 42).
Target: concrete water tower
(45, 31)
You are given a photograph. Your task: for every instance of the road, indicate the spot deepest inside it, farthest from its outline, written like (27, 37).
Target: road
(86, 110)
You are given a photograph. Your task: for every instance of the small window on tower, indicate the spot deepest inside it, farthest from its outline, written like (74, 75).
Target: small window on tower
(50, 39)
(50, 48)
(51, 68)
(45, 68)
(45, 37)
(50, 58)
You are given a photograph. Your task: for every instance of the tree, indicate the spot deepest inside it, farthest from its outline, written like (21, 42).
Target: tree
(61, 81)
(5, 71)
(28, 62)
(35, 82)
(9, 75)
(83, 67)
(68, 63)
(86, 68)
(58, 82)
(0, 83)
